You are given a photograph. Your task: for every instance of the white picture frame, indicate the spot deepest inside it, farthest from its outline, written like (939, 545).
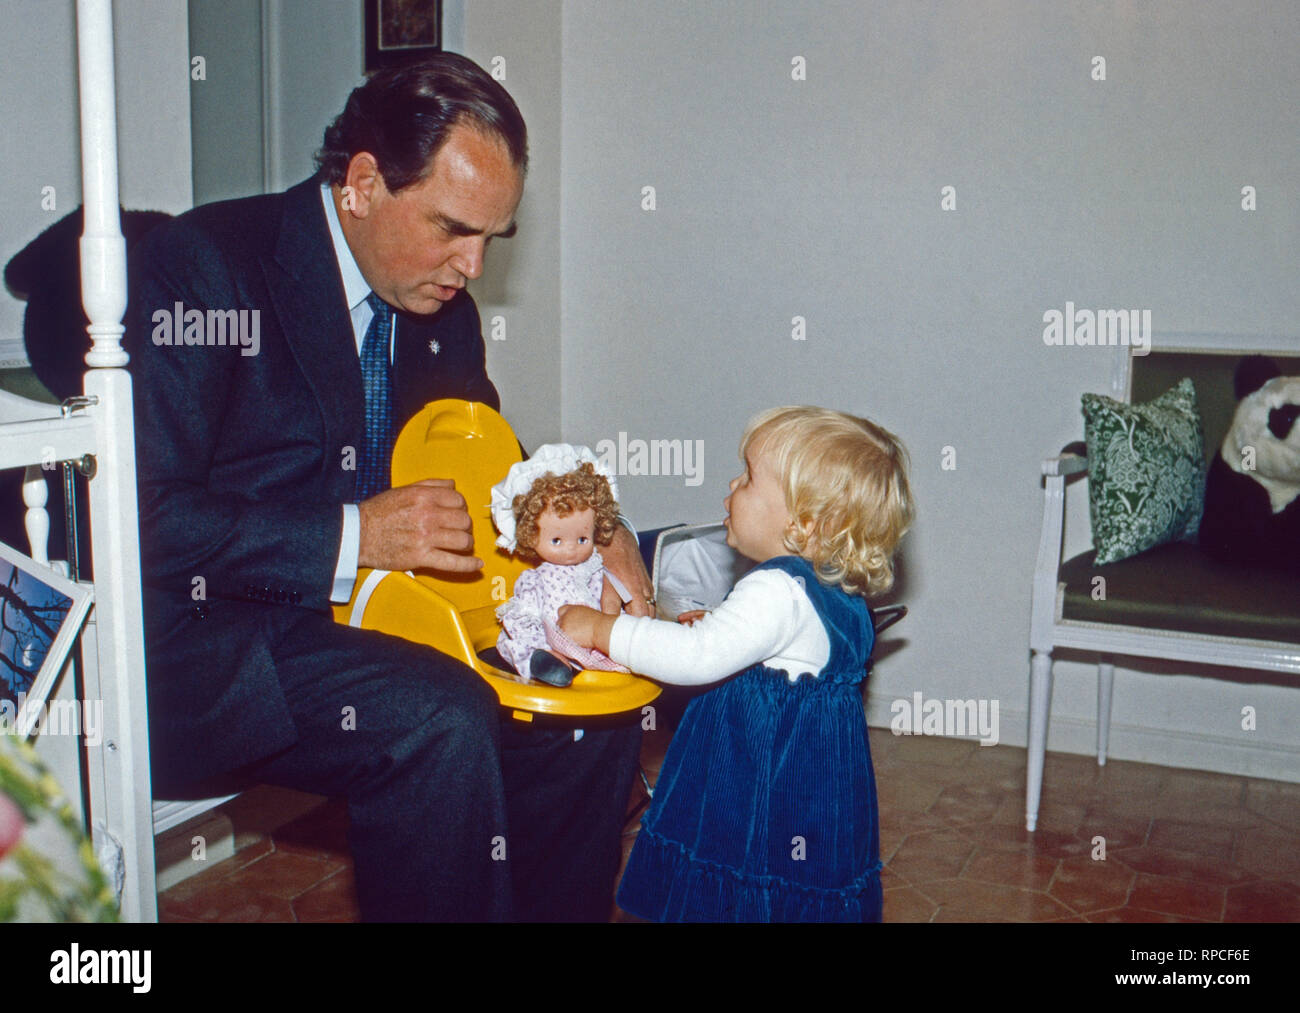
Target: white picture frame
(41, 614)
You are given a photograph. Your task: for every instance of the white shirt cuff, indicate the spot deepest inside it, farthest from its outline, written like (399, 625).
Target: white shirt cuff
(345, 572)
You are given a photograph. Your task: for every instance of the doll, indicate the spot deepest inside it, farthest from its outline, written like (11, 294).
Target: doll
(556, 508)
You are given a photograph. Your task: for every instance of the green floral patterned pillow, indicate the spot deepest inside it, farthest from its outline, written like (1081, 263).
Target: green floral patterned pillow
(1146, 471)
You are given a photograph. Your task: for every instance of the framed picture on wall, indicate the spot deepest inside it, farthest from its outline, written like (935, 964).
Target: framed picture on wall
(41, 613)
(401, 31)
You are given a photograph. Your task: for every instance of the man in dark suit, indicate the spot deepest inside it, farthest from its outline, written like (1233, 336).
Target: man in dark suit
(264, 486)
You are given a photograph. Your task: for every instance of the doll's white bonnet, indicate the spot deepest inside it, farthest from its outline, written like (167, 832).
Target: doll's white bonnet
(548, 459)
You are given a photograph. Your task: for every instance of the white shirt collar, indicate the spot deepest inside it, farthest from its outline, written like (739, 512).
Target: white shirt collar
(355, 286)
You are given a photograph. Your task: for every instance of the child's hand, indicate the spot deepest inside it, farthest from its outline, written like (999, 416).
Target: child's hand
(579, 624)
(692, 617)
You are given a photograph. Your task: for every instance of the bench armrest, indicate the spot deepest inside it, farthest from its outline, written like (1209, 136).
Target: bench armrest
(1072, 460)
(1065, 465)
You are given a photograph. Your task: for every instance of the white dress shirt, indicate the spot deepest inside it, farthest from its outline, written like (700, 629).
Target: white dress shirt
(356, 289)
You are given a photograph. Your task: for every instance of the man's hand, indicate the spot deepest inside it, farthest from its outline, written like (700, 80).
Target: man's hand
(622, 558)
(585, 626)
(420, 526)
(611, 603)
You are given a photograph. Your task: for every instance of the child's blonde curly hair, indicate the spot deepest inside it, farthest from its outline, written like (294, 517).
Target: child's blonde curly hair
(845, 484)
(574, 491)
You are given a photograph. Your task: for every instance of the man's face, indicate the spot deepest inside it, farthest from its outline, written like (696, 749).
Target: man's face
(419, 246)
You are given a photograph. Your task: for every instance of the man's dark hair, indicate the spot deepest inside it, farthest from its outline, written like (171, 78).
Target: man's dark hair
(404, 115)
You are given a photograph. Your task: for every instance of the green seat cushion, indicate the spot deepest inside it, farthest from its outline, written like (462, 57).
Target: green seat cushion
(1177, 587)
(1146, 471)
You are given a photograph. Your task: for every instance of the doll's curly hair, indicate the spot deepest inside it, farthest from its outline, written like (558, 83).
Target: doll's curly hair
(578, 490)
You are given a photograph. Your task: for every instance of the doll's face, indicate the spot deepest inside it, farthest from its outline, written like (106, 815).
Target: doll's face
(566, 541)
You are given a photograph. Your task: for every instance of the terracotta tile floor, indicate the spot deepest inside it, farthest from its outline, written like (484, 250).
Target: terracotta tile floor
(1180, 845)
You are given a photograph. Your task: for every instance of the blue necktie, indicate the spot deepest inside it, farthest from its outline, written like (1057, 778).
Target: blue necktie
(373, 467)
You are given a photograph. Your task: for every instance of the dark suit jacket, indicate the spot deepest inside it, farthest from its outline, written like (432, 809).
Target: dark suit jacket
(241, 461)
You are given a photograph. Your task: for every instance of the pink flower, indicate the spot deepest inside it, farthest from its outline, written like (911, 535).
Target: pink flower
(11, 824)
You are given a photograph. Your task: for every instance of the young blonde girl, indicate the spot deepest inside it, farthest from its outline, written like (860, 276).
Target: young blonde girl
(765, 809)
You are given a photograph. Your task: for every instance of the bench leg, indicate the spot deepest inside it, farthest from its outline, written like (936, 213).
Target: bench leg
(1105, 682)
(1040, 706)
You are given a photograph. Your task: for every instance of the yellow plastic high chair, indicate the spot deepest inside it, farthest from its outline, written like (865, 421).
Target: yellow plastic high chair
(456, 614)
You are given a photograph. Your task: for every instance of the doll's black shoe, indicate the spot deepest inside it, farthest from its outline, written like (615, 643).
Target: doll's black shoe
(545, 667)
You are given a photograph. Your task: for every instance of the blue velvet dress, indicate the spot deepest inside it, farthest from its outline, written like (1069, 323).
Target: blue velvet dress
(765, 810)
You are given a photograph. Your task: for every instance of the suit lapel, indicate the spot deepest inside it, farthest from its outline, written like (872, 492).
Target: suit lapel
(414, 360)
(307, 293)
(433, 354)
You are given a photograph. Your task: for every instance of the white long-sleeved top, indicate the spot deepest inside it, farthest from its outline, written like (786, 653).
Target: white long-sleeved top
(767, 617)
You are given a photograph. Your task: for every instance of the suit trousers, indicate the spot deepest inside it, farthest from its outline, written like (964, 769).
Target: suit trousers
(457, 811)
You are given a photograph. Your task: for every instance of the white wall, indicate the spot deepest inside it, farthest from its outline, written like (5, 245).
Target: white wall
(279, 72)
(226, 115)
(316, 54)
(520, 291)
(820, 198)
(38, 107)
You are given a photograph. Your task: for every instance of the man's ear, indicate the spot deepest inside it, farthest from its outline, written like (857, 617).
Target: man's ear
(361, 184)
